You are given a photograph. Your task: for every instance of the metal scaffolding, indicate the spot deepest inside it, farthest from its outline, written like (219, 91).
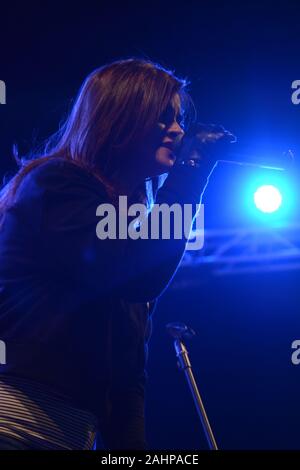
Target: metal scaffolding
(246, 250)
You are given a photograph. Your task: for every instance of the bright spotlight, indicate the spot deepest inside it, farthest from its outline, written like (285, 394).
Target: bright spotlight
(267, 198)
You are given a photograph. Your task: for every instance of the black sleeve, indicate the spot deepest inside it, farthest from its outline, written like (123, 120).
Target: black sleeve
(137, 270)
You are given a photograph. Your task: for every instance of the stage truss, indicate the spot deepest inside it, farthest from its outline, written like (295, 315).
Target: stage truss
(246, 250)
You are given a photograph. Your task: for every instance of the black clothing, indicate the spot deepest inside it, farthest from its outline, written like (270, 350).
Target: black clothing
(74, 309)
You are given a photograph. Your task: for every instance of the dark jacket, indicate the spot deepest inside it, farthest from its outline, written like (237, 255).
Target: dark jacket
(74, 309)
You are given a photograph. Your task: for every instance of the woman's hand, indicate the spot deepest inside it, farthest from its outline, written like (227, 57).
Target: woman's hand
(204, 145)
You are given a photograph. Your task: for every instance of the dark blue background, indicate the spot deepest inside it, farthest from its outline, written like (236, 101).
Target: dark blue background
(241, 60)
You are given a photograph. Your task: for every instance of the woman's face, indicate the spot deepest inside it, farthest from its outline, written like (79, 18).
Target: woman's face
(159, 156)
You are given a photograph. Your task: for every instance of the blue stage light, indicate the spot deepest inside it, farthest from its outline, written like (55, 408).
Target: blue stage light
(268, 198)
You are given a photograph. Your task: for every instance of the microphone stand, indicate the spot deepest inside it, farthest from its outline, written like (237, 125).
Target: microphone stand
(179, 331)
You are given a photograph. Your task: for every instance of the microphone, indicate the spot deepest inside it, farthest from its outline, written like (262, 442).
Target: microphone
(280, 163)
(213, 143)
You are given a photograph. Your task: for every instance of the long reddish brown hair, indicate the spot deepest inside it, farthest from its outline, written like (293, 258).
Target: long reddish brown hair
(116, 107)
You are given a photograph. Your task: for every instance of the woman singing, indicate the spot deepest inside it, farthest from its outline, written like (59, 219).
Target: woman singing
(75, 308)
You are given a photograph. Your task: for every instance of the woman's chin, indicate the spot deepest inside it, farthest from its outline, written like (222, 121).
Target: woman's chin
(165, 166)
(165, 157)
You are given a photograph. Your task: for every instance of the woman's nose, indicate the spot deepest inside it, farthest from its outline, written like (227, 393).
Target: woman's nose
(175, 130)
